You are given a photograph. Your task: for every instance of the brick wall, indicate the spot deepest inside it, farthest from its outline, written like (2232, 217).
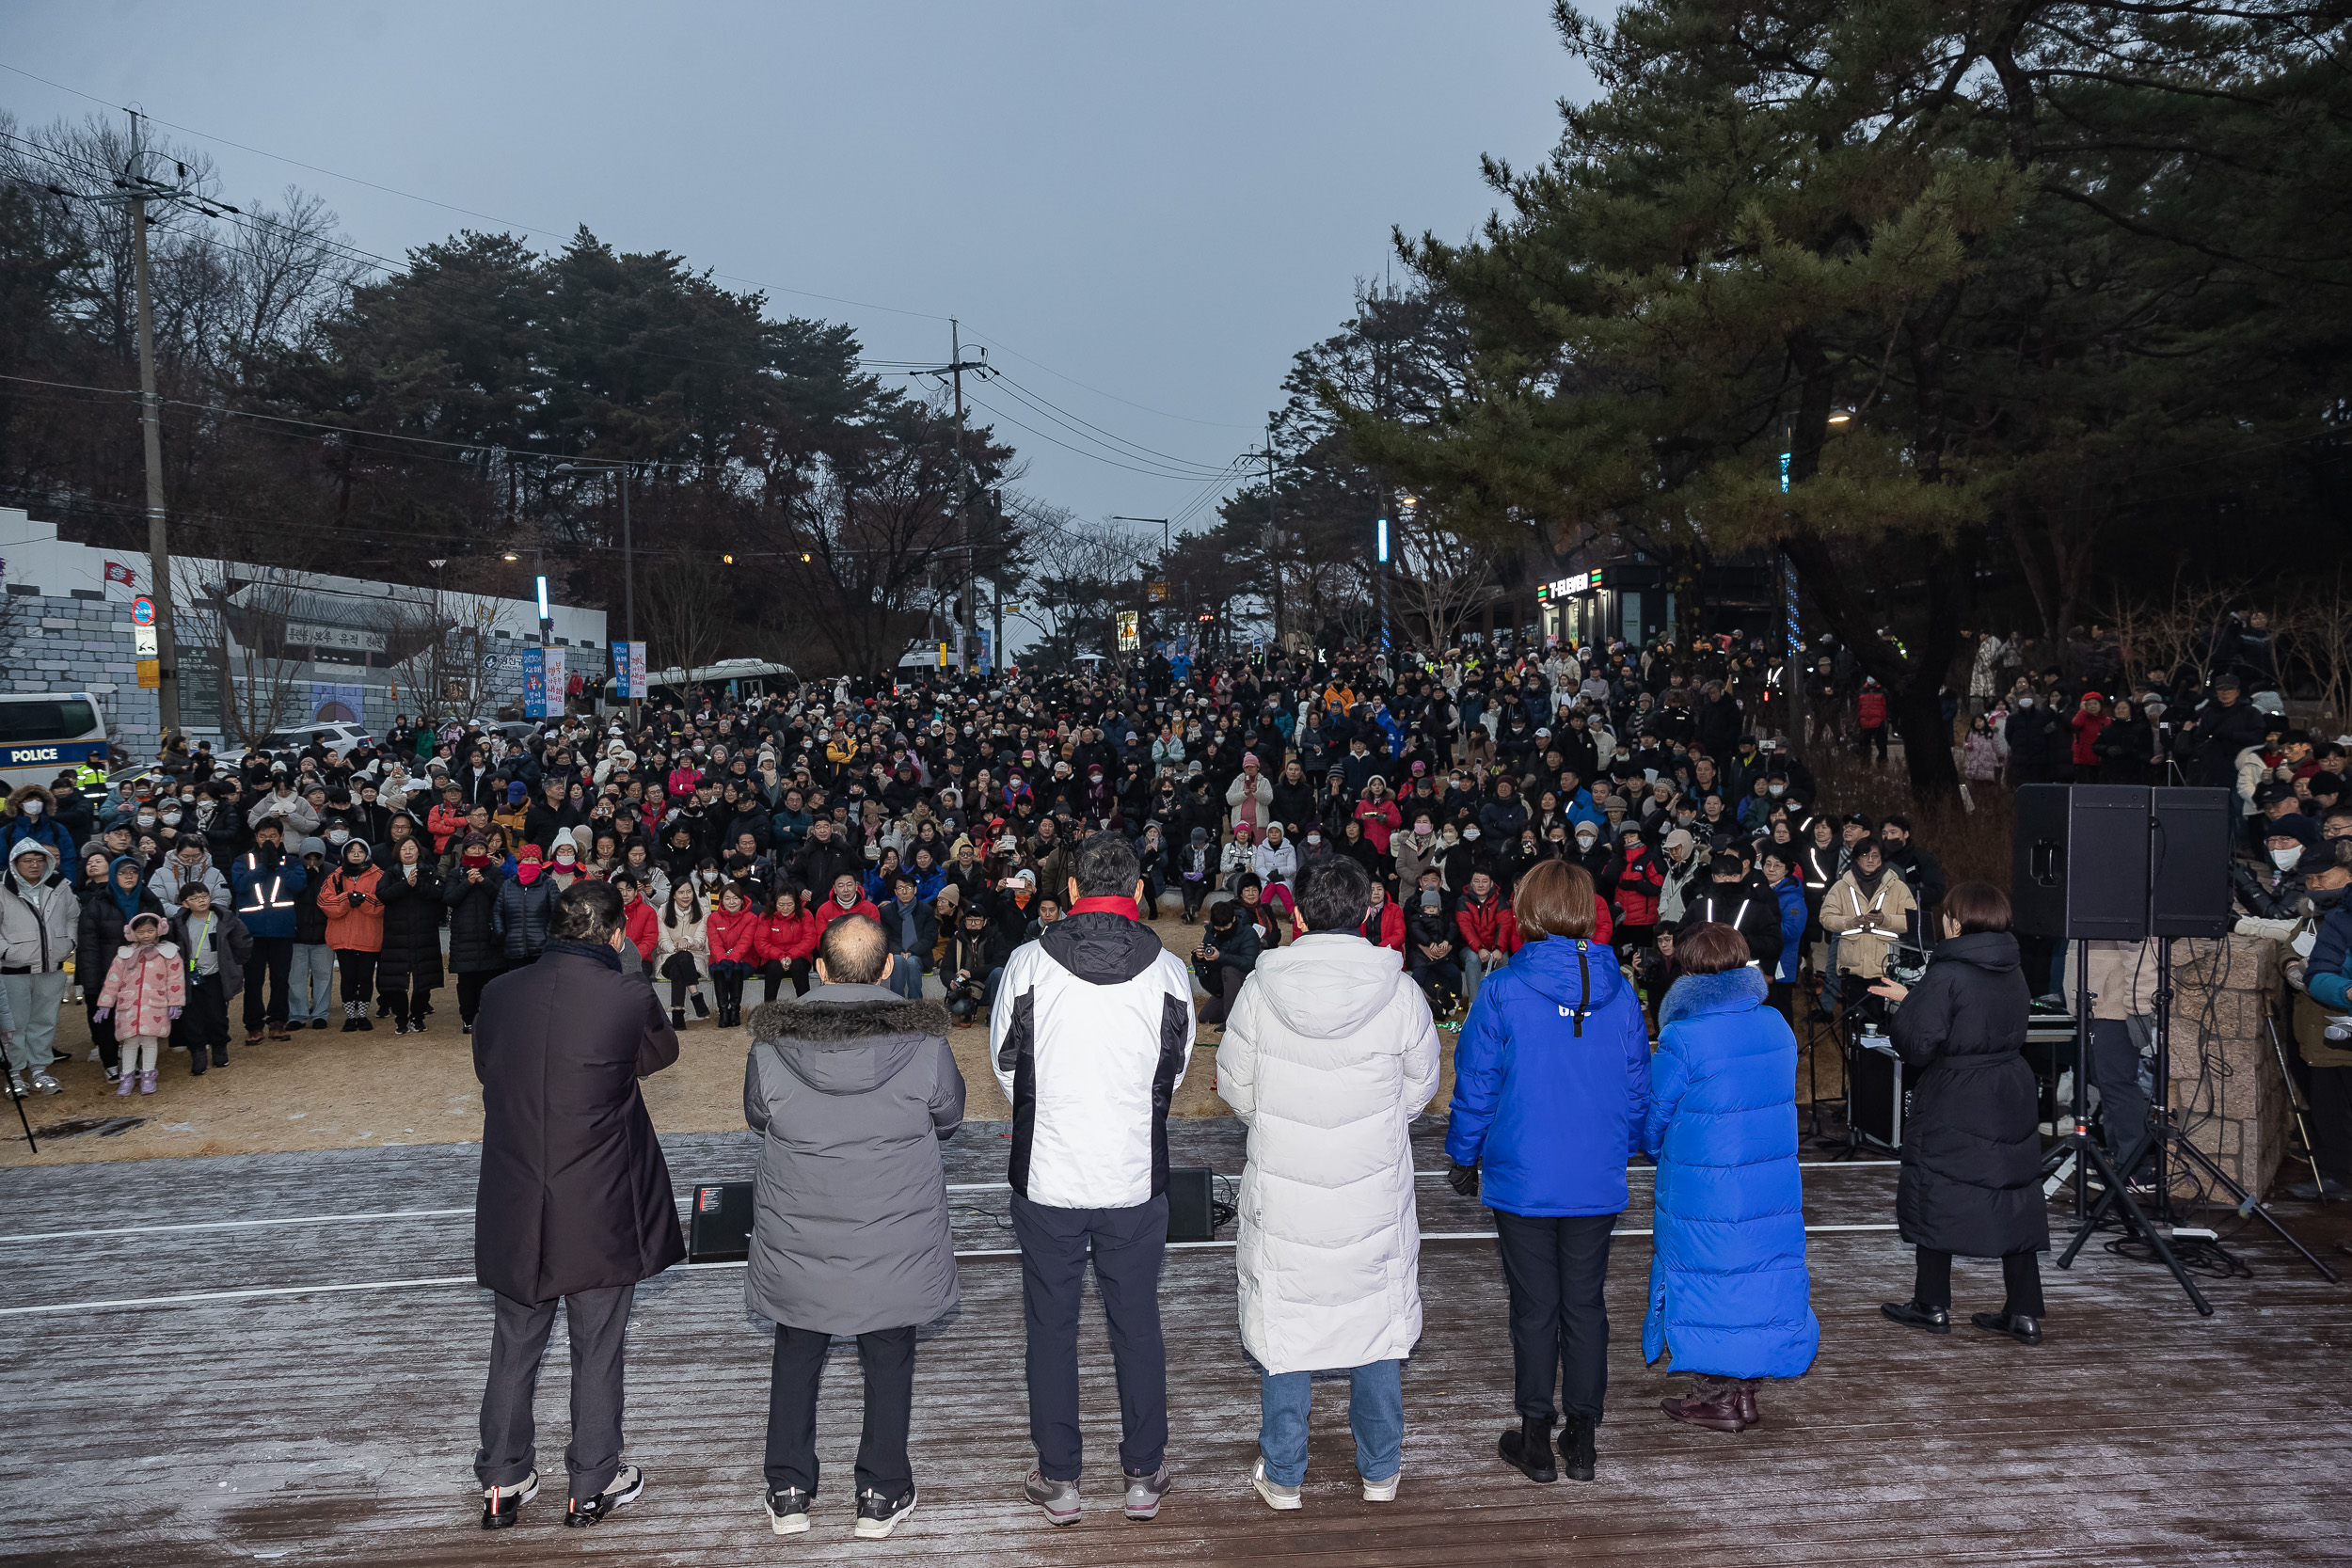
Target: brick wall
(2227, 1086)
(52, 642)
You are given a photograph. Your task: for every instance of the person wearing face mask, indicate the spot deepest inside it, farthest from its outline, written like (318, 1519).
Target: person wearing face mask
(1433, 946)
(1416, 851)
(32, 816)
(1867, 909)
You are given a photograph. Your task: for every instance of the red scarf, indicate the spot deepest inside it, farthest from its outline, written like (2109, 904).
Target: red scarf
(1115, 904)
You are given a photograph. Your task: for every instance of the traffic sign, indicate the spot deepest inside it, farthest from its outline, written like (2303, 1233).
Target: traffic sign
(142, 611)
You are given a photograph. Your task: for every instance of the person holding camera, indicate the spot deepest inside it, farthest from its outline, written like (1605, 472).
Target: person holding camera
(1867, 910)
(976, 961)
(1971, 1181)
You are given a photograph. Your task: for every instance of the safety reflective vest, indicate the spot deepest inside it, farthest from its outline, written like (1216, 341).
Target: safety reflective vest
(267, 896)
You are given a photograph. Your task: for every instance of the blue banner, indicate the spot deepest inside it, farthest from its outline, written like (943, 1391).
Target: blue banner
(620, 673)
(535, 682)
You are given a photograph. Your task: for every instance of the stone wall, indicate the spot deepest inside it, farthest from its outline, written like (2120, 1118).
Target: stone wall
(79, 643)
(2228, 1091)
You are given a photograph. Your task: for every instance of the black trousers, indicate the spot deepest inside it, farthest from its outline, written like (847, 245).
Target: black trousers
(886, 1355)
(2332, 1121)
(598, 1328)
(775, 972)
(2021, 1281)
(470, 992)
(358, 972)
(409, 996)
(202, 1026)
(1556, 1269)
(101, 1029)
(1438, 975)
(1127, 1247)
(273, 960)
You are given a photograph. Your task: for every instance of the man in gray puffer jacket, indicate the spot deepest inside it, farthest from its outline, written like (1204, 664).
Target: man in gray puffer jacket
(854, 1089)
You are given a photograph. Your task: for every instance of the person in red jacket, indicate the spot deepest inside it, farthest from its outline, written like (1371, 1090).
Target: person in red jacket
(848, 899)
(637, 918)
(1379, 815)
(1384, 922)
(734, 935)
(1871, 715)
(788, 934)
(2089, 719)
(1638, 879)
(446, 820)
(1491, 933)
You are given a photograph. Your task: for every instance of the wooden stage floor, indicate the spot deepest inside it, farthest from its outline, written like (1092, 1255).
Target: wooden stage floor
(275, 1419)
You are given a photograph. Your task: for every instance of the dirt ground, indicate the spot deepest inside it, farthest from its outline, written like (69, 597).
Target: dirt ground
(327, 1089)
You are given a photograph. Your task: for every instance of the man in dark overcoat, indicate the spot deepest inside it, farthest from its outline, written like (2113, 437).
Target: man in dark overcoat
(574, 1201)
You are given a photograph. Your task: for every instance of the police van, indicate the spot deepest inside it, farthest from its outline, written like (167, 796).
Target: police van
(48, 733)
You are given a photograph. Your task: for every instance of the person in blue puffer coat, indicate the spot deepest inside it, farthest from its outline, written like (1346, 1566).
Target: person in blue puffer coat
(1729, 1293)
(1780, 874)
(1550, 1082)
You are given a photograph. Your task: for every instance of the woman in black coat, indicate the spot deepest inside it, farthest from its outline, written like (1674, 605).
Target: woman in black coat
(477, 954)
(408, 969)
(1971, 1160)
(2128, 748)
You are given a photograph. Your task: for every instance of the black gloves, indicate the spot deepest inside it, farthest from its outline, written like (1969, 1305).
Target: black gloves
(1463, 1179)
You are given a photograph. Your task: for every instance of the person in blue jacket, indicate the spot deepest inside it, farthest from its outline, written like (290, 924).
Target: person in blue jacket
(2327, 976)
(33, 814)
(1790, 889)
(1729, 1294)
(1551, 1084)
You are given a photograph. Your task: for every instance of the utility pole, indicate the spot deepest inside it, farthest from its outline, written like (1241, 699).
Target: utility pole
(954, 369)
(151, 431)
(1274, 564)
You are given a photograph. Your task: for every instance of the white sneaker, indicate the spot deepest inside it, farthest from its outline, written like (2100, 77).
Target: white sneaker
(45, 1084)
(1383, 1491)
(1281, 1499)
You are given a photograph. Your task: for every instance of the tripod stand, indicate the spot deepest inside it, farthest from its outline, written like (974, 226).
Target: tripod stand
(17, 1093)
(2162, 1137)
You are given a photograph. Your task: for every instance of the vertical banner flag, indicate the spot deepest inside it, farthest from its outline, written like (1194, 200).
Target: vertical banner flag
(637, 671)
(557, 690)
(534, 681)
(621, 688)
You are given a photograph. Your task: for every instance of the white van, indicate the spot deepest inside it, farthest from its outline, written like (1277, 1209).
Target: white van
(43, 732)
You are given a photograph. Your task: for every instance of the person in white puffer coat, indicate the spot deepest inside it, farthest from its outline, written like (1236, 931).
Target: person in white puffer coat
(1328, 1055)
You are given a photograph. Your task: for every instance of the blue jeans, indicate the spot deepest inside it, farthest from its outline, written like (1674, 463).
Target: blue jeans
(1376, 1413)
(906, 976)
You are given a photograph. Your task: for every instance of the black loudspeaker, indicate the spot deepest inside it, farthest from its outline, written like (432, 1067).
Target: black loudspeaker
(719, 1224)
(2188, 884)
(2079, 866)
(1191, 1216)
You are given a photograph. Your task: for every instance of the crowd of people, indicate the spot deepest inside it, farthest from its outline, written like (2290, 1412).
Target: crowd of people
(1615, 844)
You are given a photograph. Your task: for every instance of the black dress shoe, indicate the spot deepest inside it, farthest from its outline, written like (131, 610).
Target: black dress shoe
(2025, 1330)
(1935, 1320)
(501, 1506)
(1528, 1449)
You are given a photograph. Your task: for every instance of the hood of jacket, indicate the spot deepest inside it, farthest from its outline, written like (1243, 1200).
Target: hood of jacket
(1734, 990)
(1101, 947)
(33, 845)
(1327, 984)
(1994, 952)
(1549, 968)
(847, 1039)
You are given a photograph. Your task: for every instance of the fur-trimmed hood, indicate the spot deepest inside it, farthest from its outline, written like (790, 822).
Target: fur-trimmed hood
(32, 792)
(1734, 990)
(847, 1040)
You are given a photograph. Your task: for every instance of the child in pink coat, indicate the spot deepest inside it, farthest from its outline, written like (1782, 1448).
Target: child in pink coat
(150, 985)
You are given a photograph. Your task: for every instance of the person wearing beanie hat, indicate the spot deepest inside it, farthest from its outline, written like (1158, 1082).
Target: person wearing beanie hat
(1251, 796)
(525, 906)
(1195, 864)
(2091, 718)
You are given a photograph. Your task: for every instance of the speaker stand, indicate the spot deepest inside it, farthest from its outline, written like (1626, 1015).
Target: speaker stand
(2084, 1151)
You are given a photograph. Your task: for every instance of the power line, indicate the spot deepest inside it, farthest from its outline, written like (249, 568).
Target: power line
(1079, 427)
(533, 228)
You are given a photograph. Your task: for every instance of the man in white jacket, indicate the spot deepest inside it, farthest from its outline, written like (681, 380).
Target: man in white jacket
(1329, 1055)
(1089, 1034)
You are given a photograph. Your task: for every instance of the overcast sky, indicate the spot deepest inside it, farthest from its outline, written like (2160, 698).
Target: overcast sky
(1141, 211)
